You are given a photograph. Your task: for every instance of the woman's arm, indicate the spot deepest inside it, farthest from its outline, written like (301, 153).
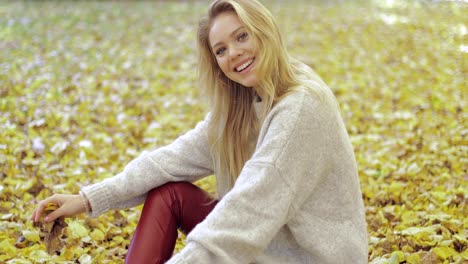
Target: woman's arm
(186, 159)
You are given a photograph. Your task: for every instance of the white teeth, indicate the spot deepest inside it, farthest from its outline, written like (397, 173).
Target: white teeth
(245, 65)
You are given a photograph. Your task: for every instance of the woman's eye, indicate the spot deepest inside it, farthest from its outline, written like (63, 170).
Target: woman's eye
(243, 36)
(220, 51)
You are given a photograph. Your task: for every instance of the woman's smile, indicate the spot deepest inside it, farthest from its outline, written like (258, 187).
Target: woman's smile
(245, 65)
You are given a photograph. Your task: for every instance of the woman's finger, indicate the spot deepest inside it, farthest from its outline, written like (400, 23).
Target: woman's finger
(38, 212)
(54, 215)
(42, 205)
(33, 216)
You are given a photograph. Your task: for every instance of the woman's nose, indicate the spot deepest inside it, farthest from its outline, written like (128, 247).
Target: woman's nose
(235, 52)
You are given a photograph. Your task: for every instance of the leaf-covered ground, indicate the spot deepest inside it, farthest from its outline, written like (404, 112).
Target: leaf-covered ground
(85, 87)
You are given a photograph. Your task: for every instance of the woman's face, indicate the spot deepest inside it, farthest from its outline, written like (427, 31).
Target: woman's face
(233, 49)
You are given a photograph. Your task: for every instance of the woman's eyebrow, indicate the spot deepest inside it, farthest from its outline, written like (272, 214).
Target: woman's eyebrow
(230, 35)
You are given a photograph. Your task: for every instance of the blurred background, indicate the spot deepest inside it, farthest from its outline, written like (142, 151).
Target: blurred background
(85, 87)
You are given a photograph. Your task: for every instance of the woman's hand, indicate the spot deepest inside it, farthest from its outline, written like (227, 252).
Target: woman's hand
(68, 205)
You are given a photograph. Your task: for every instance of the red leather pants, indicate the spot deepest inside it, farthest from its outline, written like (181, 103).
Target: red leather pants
(175, 205)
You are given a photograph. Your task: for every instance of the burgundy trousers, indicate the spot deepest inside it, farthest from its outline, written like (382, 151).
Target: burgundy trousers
(172, 206)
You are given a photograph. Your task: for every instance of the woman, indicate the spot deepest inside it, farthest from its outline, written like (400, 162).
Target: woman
(288, 189)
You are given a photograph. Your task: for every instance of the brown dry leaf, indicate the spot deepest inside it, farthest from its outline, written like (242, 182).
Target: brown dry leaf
(52, 239)
(21, 242)
(429, 258)
(52, 231)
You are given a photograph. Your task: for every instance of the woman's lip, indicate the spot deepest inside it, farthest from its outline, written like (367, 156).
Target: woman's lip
(244, 61)
(249, 68)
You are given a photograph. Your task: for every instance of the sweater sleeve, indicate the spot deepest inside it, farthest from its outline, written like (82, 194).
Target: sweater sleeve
(271, 188)
(186, 159)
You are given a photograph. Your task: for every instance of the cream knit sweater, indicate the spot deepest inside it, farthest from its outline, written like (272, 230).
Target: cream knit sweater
(297, 200)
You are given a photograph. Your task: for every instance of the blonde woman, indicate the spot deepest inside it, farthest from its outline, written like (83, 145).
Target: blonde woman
(288, 189)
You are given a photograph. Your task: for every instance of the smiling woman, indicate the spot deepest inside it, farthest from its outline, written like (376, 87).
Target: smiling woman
(288, 189)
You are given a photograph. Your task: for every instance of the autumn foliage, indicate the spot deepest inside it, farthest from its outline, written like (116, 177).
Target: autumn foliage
(85, 87)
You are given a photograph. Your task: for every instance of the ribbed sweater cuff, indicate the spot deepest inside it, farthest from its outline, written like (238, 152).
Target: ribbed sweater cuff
(99, 197)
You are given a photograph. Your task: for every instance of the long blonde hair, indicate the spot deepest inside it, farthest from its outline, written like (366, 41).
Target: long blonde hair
(234, 122)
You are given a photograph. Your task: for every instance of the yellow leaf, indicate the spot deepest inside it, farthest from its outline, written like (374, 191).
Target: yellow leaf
(395, 187)
(85, 259)
(396, 257)
(412, 231)
(39, 256)
(97, 235)
(460, 238)
(444, 252)
(6, 246)
(32, 236)
(51, 207)
(464, 254)
(118, 239)
(68, 252)
(413, 259)
(76, 230)
(19, 261)
(409, 217)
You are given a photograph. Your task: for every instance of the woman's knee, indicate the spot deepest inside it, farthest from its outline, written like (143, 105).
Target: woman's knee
(168, 191)
(184, 201)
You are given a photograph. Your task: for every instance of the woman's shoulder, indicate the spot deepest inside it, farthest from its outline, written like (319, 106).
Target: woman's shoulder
(308, 97)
